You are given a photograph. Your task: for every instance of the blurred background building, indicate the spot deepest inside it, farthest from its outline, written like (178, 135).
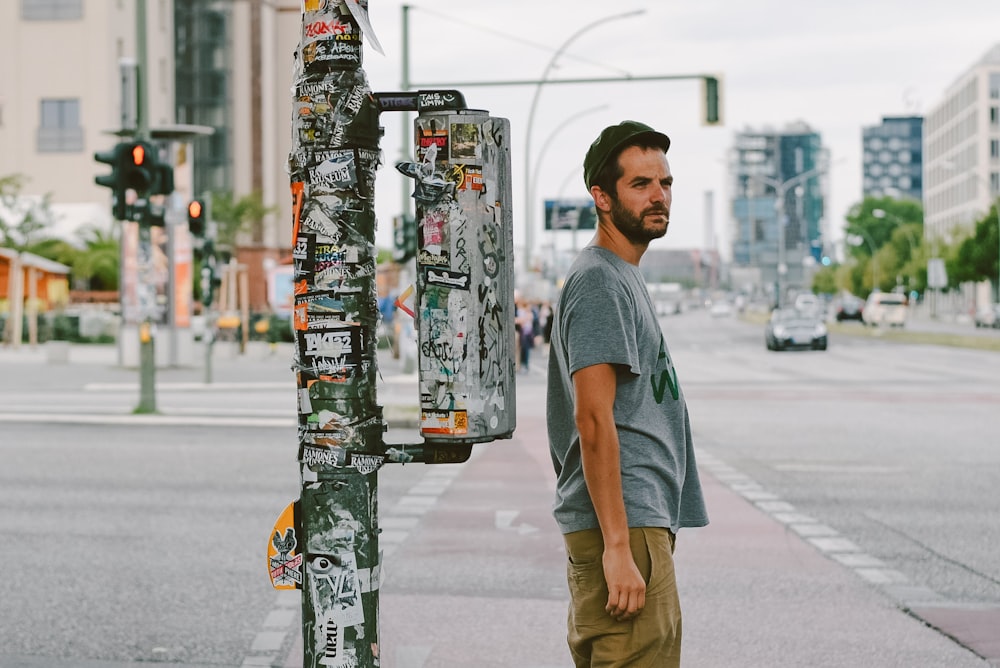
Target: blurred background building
(777, 172)
(962, 150)
(892, 158)
(214, 63)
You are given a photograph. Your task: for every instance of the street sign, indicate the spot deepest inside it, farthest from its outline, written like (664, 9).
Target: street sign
(937, 275)
(577, 213)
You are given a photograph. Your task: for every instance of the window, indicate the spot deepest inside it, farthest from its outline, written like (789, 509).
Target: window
(51, 10)
(59, 130)
(994, 115)
(995, 148)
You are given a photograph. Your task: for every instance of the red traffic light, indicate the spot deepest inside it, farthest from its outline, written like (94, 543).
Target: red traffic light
(138, 154)
(196, 217)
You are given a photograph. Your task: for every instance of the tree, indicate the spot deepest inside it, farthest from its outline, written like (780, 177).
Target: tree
(825, 281)
(977, 257)
(97, 265)
(233, 216)
(891, 237)
(22, 218)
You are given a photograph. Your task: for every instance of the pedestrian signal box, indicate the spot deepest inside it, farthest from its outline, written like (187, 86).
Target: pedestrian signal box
(464, 304)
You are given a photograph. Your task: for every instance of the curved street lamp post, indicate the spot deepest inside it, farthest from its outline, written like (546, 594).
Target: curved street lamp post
(529, 205)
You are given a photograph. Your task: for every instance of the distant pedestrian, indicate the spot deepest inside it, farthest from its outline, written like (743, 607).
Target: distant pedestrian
(524, 320)
(618, 425)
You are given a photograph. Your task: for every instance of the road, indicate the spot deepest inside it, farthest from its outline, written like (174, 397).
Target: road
(130, 539)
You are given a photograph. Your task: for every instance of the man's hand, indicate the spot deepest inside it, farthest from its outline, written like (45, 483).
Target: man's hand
(626, 588)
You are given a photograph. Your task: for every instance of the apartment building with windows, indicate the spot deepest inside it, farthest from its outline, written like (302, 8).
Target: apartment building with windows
(60, 95)
(225, 64)
(962, 151)
(892, 158)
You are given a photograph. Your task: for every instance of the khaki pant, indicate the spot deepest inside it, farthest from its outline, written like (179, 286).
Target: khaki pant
(650, 640)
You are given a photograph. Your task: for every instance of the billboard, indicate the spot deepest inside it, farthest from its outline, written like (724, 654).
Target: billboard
(570, 214)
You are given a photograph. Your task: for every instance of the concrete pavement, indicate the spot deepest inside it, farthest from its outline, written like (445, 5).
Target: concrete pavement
(762, 585)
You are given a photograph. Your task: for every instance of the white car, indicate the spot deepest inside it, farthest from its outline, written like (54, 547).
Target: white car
(885, 308)
(988, 316)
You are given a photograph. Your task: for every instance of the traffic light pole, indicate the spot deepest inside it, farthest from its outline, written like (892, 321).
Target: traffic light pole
(332, 167)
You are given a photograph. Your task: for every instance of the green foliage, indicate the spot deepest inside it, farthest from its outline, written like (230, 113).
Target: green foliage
(98, 264)
(234, 215)
(825, 281)
(977, 258)
(887, 249)
(22, 218)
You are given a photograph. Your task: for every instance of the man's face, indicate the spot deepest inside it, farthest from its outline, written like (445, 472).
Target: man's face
(641, 211)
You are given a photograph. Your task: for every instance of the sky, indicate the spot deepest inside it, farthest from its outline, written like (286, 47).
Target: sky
(838, 67)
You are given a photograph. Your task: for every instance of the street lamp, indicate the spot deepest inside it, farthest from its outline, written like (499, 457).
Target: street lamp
(857, 240)
(552, 136)
(901, 225)
(780, 188)
(528, 183)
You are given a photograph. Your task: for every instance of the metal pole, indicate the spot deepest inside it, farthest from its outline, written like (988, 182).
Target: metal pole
(780, 188)
(529, 195)
(405, 145)
(147, 348)
(332, 163)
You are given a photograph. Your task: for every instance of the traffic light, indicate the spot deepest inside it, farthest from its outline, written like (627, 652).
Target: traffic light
(196, 217)
(138, 167)
(710, 94)
(163, 179)
(113, 180)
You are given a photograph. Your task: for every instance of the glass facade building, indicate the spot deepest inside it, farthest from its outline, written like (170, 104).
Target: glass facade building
(778, 177)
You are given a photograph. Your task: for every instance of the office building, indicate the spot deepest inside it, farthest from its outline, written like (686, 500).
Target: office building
(777, 174)
(892, 158)
(962, 151)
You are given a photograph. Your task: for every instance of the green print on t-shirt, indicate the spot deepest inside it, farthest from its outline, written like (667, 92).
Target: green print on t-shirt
(668, 377)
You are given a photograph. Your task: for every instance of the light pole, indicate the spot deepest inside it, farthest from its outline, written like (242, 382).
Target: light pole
(908, 235)
(780, 189)
(545, 148)
(858, 239)
(529, 206)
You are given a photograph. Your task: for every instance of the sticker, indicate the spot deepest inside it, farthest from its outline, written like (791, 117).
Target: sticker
(284, 562)
(447, 279)
(464, 141)
(334, 580)
(444, 422)
(365, 463)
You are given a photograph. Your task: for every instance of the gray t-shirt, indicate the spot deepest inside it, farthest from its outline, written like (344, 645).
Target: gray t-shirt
(605, 316)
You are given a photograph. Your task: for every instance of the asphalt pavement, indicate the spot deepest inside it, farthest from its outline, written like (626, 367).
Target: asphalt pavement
(762, 585)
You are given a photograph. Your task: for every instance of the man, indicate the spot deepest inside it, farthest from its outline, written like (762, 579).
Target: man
(618, 426)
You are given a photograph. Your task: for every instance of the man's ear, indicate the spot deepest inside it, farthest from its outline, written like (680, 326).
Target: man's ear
(601, 199)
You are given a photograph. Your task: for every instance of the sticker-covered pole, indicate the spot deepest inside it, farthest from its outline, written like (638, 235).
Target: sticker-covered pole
(332, 166)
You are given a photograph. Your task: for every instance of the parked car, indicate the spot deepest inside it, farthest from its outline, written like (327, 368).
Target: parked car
(885, 308)
(792, 328)
(988, 316)
(848, 308)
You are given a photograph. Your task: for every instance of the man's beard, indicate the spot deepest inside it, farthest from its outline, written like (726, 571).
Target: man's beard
(631, 225)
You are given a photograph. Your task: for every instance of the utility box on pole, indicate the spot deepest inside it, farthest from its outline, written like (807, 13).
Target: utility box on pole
(465, 274)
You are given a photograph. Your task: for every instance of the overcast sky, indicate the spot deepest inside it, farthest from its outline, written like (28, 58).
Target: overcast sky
(836, 66)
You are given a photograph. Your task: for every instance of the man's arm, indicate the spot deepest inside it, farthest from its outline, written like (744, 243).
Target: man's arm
(595, 388)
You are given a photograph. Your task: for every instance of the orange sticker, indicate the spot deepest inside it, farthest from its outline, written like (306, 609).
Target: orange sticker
(284, 561)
